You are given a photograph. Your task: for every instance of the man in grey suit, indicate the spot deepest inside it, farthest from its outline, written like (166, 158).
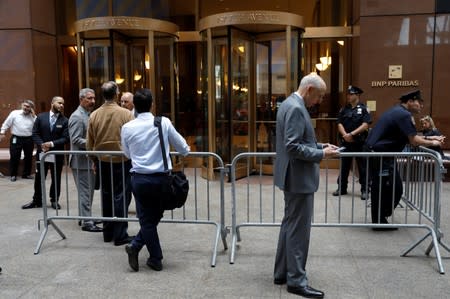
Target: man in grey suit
(81, 165)
(297, 174)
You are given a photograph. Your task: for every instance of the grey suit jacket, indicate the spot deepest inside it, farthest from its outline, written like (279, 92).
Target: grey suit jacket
(298, 154)
(78, 123)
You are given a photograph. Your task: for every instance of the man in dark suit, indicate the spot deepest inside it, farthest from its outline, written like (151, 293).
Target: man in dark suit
(50, 132)
(297, 174)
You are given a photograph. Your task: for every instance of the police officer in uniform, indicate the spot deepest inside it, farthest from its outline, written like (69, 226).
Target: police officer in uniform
(353, 123)
(391, 133)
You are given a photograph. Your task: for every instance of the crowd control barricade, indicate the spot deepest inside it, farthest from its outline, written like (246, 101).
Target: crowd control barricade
(205, 203)
(257, 202)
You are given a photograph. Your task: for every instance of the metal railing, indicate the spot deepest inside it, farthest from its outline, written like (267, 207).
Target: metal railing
(257, 202)
(204, 204)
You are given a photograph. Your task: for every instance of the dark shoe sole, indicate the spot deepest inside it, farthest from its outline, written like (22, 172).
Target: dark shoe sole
(306, 294)
(92, 229)
(31, 206)
(155, 266)
(132, 258)
(335, 193)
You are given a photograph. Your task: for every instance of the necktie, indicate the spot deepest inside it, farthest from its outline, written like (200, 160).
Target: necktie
(53, 121)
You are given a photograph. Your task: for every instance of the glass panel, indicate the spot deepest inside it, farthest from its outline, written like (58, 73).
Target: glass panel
(91, 8)
(295, 66)
(121, 71)
(134, 8)
(97, 66)
(163, 71)
(138, 74)
(240, 70)
(278, 68)
(264, 107)
(220, 60)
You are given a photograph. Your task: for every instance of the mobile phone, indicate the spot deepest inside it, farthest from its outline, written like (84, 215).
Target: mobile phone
(341, 149)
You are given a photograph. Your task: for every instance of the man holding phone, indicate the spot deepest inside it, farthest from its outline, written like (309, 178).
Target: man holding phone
(20, 122)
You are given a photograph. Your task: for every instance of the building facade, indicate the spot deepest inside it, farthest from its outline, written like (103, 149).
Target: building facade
(220, 68)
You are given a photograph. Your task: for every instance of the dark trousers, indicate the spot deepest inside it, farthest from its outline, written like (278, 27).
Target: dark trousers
(55, 187)
(116, 197)
(346, 165)
(16, 146)
(148, 194)
(391, 189)
(293, 240)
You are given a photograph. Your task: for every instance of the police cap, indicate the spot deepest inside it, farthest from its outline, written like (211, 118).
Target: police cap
(354, 90)
(412, 95)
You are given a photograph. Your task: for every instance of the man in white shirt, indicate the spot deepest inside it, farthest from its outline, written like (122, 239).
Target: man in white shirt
(140, 143)
(20, 122)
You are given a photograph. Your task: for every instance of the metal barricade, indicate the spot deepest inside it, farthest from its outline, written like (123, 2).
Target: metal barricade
(205, 203)
(257, 202)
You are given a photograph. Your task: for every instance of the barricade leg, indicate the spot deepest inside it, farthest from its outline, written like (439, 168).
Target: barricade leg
(433, 244)
(44, 233)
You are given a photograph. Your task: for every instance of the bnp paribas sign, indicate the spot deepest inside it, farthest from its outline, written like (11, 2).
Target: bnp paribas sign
(395, 79)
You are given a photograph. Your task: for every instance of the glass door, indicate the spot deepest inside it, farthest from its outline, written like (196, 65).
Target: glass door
(232, 90)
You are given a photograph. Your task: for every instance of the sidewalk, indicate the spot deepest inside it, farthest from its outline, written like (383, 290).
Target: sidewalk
(343, 262)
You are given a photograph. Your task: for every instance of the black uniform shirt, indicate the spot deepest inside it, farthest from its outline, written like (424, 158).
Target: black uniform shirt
(391, 132)
(351, 118)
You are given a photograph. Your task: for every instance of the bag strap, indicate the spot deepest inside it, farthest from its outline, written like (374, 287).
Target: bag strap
(157, 123)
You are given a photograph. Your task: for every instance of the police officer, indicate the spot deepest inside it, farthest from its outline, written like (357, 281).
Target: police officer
(392, 132)
(353, 123)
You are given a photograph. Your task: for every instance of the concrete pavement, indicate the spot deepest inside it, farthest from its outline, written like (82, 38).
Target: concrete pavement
(343, 262)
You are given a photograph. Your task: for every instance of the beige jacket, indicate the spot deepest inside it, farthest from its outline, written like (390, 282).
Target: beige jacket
(104, 128)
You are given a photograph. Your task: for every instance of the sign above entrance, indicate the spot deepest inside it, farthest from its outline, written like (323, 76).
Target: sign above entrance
(251, 17)
(126, 23)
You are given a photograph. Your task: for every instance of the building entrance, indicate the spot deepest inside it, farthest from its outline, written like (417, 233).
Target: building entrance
(253, 62)
(133, 52)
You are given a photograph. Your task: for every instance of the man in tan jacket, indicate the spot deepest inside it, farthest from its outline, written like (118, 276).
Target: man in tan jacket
(103, 134)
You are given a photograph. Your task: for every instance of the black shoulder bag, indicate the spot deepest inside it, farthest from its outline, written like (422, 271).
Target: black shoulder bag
(178, 184)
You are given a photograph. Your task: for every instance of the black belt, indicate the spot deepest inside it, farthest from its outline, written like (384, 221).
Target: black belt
(22, 137)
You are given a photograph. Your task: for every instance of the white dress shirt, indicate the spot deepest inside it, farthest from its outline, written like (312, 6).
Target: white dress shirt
(21, 124)
(140, 143)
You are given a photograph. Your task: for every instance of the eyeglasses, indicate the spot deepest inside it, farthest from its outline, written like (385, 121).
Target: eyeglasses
(89, 98)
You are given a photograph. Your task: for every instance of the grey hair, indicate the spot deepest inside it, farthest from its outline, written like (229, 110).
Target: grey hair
(85, 91)
(312, 79)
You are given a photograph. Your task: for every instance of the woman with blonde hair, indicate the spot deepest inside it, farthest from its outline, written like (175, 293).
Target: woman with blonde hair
(429, 129)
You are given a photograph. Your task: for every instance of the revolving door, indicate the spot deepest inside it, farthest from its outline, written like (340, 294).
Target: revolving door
(133, 52)
(253, 62)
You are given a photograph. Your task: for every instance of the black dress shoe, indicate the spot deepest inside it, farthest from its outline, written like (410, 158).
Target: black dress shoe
(27, 177)
(31, 205)
(13, 179)
(155, 265)
(91, 228)
(56, 205)
(336, 193)
(279, 281)
(133, 257)
(307, 292)
(127, 240)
